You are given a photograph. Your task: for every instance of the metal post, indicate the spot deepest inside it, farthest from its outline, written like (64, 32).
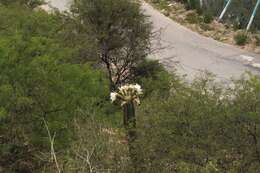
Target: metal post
(252, 16)
(224, 10)
(201, 3)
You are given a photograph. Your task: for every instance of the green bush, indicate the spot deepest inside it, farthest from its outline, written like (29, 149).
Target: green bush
(155, 1)
(257, 40)
(195, 127)
(193, 18)
(191, 4)
(198, 126)
(208, 17)
(153, 78)
(102, 145)
(38, 81)
(28, 3)
(241, 38)
(163, 4)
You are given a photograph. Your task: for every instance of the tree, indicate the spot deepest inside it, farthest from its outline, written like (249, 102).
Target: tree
(122, 33)
(38, 81)
(29, 3)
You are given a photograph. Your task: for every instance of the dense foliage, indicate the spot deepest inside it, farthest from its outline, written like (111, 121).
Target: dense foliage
(50, 72)
(121, 32)
(37, 81)
(202, 128)
(27, 3)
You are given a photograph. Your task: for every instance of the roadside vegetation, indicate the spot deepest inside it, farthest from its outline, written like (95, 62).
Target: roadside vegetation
(57, 73)
(241, 38)
(204, 20)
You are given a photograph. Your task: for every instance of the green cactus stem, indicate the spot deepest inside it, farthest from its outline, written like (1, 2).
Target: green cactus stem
(129, 115)
(130, 126)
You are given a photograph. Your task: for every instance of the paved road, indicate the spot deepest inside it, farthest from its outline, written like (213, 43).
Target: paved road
(195, 53)
(60, 4)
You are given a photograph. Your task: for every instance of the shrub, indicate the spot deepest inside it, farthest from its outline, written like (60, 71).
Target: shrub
(257, 40)
(162, 4)
(193, 18)
(199, 11)
(155, 1)
(153, 77)
(28, 3)
(207, 17)
(195, 127)
(37, 81)
(241, 38)
(191, 4)
(205, 27)
(100, 145)
(198, 126)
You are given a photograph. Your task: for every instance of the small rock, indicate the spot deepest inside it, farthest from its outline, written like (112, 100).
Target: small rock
(256, 65)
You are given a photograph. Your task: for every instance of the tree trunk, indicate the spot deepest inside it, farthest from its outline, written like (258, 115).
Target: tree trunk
(106, 60)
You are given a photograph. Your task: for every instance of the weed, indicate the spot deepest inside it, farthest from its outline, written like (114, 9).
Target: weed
(193, 18)
(208, 17)
(241, 38)
(257, 42)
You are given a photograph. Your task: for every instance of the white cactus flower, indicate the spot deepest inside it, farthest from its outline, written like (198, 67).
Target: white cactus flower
(138, 89)
(127, 93)
(137, 101)
(113, 96)
(123, 88)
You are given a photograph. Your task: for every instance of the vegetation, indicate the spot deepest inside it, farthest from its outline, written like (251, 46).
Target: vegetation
(55, 112)
(202, 128)
(238, 13)
(257, 38)
(122, 35)
(27, 3)
(193, 18)
(208, 17)
(39, 82)
(204, 19)
(241, 38)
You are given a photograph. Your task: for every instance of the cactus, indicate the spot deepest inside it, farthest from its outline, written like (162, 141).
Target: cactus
(128, 96)
(129, 115)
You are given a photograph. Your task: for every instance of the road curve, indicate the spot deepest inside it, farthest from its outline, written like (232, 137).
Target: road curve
(193, 52)
(196, 53)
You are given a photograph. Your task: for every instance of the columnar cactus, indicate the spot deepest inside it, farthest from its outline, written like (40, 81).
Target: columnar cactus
(128, 95)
